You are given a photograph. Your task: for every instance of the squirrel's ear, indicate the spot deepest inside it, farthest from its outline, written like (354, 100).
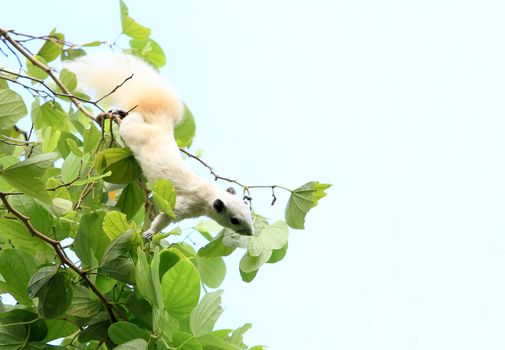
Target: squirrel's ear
(231, 190)
(219, 206)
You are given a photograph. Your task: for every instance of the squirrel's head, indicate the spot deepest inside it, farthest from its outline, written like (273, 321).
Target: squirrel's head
(229, 211)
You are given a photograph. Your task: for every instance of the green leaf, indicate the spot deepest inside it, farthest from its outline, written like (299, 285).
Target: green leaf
(135, 344)
(145, 280)
(6, 162)
(36, 165)
(72, 54)
(49, 114)
(301, 201)
(234, 240)
(3, 83)
(185, 341)
(91, 136)
(40, 218)
(278, 254)
(164, 196)
(59, 329)
(211, 340)
(91, 241)
(116, 262)
(131, 199)
(122, 332)
(55, 296)
(74, 148)
(248, 276)
(122, 269)
(250, 263)
(82, 304)
(12, 108)
(61, 206)
(156, 280)
(52, 46)
(91, 179)
(205, 315)
(93, 43)
(207, 227)
(29, 185)
(130, 27)
(256, 246)
(260, 248)
(212, 270)
(273, 236)
(115, 224)
(20, 324)
(168, 258)
(216, 248)
(71, 167)
(68, 79)
(140, 309)
(120, 162)
(49, 138)
(237, 337)
(62, 147)
(95, 331)
(149, 50)
(118, 246)
(16, 138)
(41, 278)
(16, 268)
(14, 233)
(185, 130)
(181, 289)
(35, 71)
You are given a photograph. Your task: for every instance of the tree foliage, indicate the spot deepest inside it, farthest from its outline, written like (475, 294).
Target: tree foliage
(74, 203)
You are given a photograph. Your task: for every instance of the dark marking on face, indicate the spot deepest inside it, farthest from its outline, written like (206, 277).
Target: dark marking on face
(231, 190)
(219, 206)
(235, 221)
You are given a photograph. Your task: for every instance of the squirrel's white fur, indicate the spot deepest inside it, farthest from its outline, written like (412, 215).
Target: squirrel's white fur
(149, 132)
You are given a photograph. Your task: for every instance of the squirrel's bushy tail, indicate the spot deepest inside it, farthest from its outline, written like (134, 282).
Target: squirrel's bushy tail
(99, 73)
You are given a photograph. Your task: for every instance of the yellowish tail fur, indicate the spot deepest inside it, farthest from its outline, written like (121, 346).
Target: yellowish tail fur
(99, 73)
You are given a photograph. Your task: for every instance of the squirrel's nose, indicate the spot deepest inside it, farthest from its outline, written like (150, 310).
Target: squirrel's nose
(246, 232)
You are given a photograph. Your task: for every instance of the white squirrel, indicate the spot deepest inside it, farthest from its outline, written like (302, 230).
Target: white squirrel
(148, 131)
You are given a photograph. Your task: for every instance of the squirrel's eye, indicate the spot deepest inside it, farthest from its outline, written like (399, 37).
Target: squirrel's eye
(234, 221)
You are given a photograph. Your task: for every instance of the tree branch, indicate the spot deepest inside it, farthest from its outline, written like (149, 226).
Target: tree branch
(219, 177)
(58, 249)
(211, 169)
(40, 92)
(48, 70)
(115, 89)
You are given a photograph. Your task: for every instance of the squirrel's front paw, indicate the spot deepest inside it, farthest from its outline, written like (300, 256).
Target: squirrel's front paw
(147, 235)
(119, 112)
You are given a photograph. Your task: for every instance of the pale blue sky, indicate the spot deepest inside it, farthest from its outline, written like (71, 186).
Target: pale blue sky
(398, 104)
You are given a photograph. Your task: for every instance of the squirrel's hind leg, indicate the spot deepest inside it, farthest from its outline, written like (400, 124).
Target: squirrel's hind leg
(160, 221)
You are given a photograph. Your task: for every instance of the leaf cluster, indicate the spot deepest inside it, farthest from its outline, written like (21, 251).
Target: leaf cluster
(74, 205)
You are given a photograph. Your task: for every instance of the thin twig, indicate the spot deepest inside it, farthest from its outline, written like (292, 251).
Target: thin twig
(115, 89)
(22, 132)
(15, 55)
(12, 142)
(66, 184)
(43, 83)
(48, 70)
(49, 37)
(219, 177)
(216, 176)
